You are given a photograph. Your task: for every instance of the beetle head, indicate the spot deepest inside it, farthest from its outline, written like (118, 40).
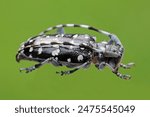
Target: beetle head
(110, 55)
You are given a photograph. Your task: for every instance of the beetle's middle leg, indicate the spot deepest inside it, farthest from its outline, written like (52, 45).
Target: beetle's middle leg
(84, 65)
(36, 66)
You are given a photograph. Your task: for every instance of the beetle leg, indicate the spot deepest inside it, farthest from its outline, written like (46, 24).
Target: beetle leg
(84, 65)
(67, 72)
(122, 76)
(30, 69)
(55, 62)
(109, 66)
(100, 66)
(127, 66)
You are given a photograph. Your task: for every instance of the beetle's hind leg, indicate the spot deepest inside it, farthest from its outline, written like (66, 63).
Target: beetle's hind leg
(127, 66)
(30, 69)
(67, 72)
(36, 66)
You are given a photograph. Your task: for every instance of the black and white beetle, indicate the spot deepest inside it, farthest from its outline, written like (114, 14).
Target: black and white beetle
(73, 50)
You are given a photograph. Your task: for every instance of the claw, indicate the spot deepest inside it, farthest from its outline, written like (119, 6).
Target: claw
(129, 65)
(122, 76)
(126, 77)
(27, 70)
(63, 73)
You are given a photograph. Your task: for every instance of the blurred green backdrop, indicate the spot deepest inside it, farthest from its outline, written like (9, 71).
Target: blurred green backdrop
(128, 19)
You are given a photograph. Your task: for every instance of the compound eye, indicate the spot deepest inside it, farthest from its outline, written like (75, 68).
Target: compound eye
(114, 50)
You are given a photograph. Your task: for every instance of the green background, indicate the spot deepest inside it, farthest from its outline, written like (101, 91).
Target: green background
(128, 19)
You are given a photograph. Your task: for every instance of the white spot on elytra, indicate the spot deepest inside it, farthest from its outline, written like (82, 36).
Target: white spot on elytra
(89, 53)
(91, 42)
(82, 48)
(69, 60)
(39, 50)
(71, 47)
(57, 35)
(75, 36)
(72, 42)
(104, 42)
(55, 52)
(84, 43)
(55, 46)
(31, 49)
(102, 49)
(80, 58)
(37, 42)
(31, 40)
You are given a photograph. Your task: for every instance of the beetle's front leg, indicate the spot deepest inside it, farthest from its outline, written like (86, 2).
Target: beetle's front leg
(115, 71)
(122, 76)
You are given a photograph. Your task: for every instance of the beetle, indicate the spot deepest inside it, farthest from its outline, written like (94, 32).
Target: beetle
(73, 50)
